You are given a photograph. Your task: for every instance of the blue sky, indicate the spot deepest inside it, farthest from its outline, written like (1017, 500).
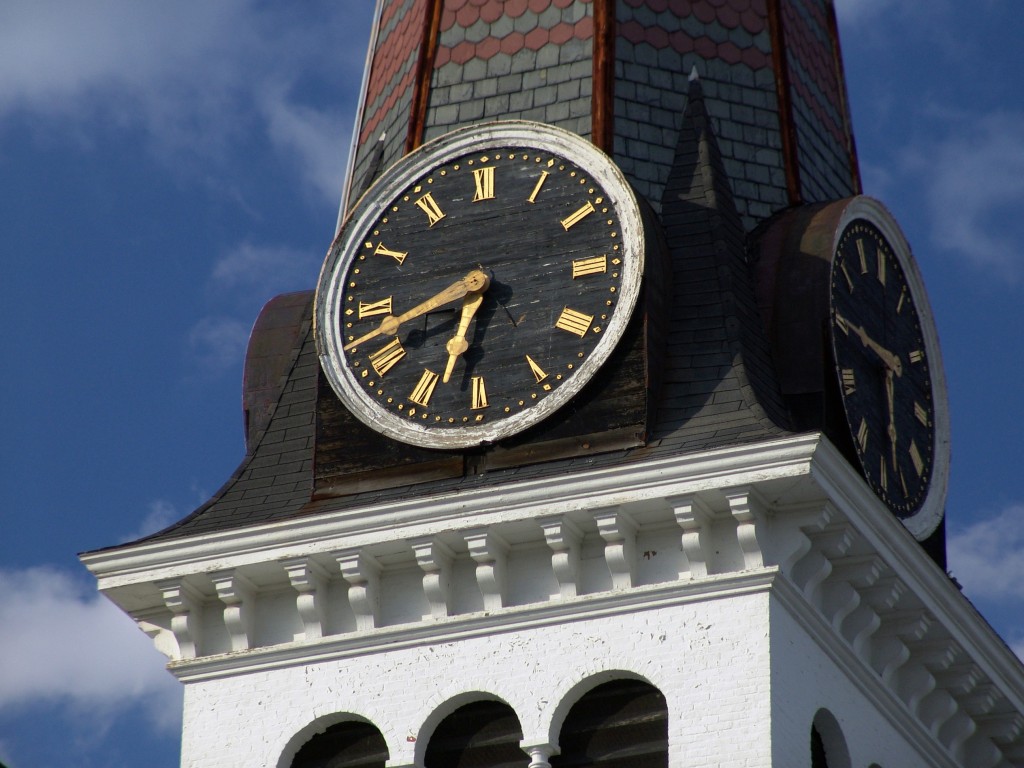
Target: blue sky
(167, 168)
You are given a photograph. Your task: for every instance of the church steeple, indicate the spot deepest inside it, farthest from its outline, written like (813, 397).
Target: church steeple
(616, 72)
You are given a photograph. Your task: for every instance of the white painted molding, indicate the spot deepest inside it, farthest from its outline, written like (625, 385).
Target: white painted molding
(563, 537)
(310, 581)
(435, 558)
(238, 595)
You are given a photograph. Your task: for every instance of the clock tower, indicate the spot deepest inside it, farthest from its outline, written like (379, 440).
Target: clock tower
(614, 432)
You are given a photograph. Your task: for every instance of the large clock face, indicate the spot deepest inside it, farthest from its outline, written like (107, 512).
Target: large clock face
(479, 285)
(883, 367)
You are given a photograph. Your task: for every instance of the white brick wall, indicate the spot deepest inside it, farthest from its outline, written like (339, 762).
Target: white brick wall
(710, 659)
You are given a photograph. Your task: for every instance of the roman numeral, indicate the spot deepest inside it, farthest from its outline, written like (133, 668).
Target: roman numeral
(916, 356)
(846, 274)
(595, 266)
(398, 256)
(862, 435)
(538, 373)
(883, 475)
(384, 359)
(577, 217)
(479, 393)
(915, 458)
(371, 308)
(921, 414)
(863, 257)
(484, 180)
(574, 322)
(903, 298)
(536, 189)
(881, 266)
(431, 208)
(849, 381)
(424, 388)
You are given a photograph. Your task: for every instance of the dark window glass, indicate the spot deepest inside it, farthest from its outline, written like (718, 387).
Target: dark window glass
(620, 724)
(344, 745)
(818, 757)
(484, 734)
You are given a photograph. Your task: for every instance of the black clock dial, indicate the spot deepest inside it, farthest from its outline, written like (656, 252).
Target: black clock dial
(481, 289)
(882, 367)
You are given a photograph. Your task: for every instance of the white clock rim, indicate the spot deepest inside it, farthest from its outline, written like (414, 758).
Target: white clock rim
(928, 516)
(490, 136)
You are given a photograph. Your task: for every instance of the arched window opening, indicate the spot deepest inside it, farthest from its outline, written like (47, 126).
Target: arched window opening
(828, 745)
(818, 757)
(483, 734)
(351, 744)
(620, 724)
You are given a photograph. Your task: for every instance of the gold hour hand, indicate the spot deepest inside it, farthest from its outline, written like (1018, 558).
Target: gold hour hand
(890, 397)
(457, 345)
(476, 280)
(889, 360)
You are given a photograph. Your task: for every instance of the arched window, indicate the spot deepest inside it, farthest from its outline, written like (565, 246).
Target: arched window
(483, 734)
(828, 746)
(351, 744)
(619, 724)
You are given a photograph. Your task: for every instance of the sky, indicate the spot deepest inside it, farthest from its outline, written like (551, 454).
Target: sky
(166, 168)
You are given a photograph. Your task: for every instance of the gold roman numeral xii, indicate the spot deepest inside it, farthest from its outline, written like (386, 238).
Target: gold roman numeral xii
(484, 180)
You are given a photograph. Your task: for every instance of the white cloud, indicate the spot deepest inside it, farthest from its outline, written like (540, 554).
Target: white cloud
(161, 514)
(317, 139)
(63, 644)
(240, 282)
(973, 180)
(218, 343)
(257, 271)
(192, 75)
(987, 557)
(854, 12)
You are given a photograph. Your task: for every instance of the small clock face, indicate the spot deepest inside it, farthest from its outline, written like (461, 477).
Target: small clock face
(883, 367)
(481, 290)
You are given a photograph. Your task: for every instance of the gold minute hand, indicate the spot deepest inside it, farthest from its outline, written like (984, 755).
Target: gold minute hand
(891, 361)
(473, 281)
